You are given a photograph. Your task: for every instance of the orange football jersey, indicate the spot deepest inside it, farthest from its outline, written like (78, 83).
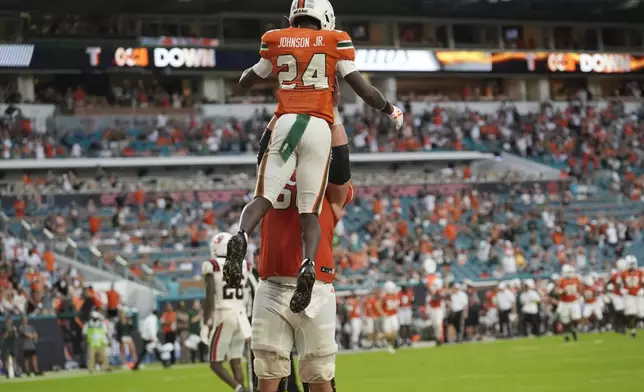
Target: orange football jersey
(616, 280)
(353, 307)
(405, 298)
(569, 289)
(633, 281)
(436, 299)
(281, 238)
(390, 303)
(371, 310)
(590, 295)
(305, 62)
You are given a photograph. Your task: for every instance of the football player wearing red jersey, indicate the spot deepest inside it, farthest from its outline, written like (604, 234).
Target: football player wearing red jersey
(633, 290)
(592, 312)
(406, 297)
(436, 300)
(614, 290)
(354, 308)
(305, 57)
(569, 309)
(371, 316)
(276, 328)
(389, 304)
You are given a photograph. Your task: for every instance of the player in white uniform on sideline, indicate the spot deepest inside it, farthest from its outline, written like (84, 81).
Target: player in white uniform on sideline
(226, 327)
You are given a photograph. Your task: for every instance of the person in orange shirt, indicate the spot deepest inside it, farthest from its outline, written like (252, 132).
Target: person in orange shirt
(378, 205)
(113, 302)
(49, 259)
(569, 309)
(169, 328)
(389, 307)
(19, 208)
(436, 301)
(371, 313)
(139, 197)
(94, 224)
(354, 309)
(406, 298)
(209, 217)
(593, 306)
(451, 232)
(633, 288)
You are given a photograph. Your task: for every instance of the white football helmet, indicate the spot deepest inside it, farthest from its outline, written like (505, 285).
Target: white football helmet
(631, 262)
(318, 9)
(568, 270)
(621, 265)
(529, 283)
(219, 245)
(390, 287)
(589, 281)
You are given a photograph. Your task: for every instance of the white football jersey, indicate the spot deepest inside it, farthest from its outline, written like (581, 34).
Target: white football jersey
(227, 297)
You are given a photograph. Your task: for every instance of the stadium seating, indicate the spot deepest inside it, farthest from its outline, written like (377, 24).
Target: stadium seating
(179, 257)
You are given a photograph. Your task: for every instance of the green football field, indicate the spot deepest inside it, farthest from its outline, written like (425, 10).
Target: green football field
(602, 363)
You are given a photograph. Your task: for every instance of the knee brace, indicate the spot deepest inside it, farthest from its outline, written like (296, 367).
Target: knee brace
(316, 370)
(270, 366)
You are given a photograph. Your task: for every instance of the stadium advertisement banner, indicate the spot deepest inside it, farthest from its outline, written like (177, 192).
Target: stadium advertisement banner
(224, 196)
(418, 60)
(92, 58)
(89, 58)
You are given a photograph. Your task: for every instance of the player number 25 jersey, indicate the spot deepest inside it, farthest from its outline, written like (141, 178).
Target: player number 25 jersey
(305, 63)
(226, 297)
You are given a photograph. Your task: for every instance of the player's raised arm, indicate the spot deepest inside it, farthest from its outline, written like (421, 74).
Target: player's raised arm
(262, 69)
(372, 96)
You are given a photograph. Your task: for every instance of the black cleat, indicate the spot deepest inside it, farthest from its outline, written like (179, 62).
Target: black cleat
(234, 258)
(305, 281)
(567, 338)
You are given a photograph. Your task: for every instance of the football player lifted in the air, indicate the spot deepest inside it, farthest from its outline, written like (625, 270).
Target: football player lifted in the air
(305, 57)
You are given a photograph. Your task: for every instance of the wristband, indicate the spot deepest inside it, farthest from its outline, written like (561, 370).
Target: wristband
(388, 108)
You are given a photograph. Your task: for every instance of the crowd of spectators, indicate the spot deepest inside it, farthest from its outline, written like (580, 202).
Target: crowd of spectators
(523, 231)
(31, 282)
(527, 231)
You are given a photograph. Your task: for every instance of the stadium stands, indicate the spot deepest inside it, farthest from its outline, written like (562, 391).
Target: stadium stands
(544, 227)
